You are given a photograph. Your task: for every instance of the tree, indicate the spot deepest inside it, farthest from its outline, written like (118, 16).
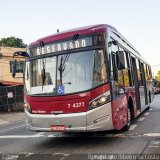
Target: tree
(158, 76)
(12, 42)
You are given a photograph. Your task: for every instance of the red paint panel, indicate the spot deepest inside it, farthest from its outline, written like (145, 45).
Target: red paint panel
(119, 112)
(67, 34)
(64, 104)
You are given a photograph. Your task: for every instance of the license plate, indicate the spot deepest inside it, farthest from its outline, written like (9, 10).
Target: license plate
(58, 128)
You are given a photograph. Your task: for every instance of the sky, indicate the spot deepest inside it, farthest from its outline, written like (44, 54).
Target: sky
(137, 20)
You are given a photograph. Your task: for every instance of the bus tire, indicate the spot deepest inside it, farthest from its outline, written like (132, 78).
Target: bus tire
(127, 126)
(149, 101)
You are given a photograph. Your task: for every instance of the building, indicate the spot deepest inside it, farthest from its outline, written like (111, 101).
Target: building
(11, 89)
(6, 59)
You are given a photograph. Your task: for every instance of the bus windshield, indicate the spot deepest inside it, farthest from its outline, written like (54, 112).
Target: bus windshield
(65, 74)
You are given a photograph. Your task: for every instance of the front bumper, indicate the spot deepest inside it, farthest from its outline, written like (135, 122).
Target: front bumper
(97, 119)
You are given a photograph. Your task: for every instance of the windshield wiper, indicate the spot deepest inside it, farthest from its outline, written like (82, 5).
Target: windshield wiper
(43, 70)
(62, 66)
(43, 74)
(64, 58)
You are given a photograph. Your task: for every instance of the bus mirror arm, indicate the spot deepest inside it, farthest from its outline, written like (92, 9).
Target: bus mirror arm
(114, 42)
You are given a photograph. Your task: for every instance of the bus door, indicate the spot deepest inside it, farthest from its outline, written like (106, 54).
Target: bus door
(136, 85)
(119, 101)
(144, 89)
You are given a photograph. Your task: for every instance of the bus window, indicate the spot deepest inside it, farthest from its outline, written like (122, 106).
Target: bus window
(146, 69)
(139, 72)
(126, 71)
(129, 68)
(120, 78)
(113, 65)
(149, 72)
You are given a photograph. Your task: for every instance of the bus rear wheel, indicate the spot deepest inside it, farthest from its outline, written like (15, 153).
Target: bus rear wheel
(127, 126)
(149, 103)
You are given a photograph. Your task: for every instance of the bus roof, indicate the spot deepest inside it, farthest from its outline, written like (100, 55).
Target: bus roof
(69, 33)
(84, 31)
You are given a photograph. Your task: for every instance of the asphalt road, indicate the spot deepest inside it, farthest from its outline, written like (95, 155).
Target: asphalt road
(16, 142)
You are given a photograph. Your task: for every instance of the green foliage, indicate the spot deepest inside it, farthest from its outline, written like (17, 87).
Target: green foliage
(158, 76)
(12, 42)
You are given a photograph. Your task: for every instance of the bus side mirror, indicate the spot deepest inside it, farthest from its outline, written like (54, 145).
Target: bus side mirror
(120, 60)
(14, 64)
(18, 67)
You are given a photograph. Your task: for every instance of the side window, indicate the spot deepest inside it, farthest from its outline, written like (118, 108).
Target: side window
(146, 69)
(140, 82)
(112, 58)
(100, 74)
(148, 73)
(139, 72)
(127, 70)
(116, 74)
(120, 78)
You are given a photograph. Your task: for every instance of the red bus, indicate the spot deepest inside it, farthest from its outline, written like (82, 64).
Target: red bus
(85, 79)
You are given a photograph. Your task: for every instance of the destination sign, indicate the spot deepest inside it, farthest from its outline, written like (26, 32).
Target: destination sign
(62, 46)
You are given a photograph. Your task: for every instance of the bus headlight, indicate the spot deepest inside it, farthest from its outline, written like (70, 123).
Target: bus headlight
(100, 100)
(27, 107)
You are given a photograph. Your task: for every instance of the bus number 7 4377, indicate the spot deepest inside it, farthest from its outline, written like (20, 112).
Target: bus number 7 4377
(76, 105)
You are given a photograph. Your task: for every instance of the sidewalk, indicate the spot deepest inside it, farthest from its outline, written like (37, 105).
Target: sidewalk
(6, 118)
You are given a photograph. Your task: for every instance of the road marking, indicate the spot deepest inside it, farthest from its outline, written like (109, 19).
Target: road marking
(16, 136)
(11, 128)
(23, 136)
(39, 134)
(132, 127)
(51, 135)
(154, 146)
(61, 154)
(146, 114)
(141, 119)
(152, 134)
(156, 142)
